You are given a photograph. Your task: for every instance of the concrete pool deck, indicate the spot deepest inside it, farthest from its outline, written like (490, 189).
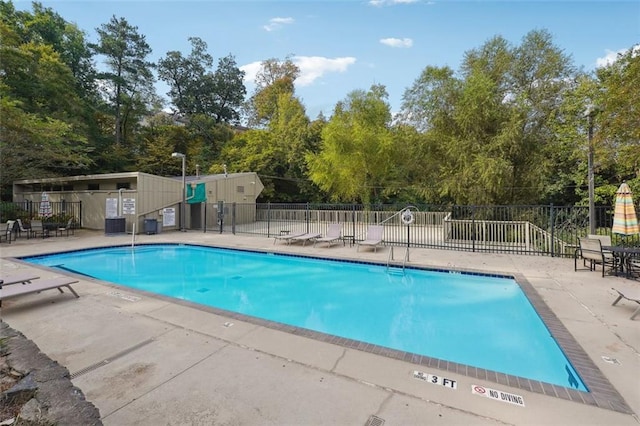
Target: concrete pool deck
(144, 359)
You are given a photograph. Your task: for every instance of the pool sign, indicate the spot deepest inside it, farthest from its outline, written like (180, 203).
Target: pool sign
(497, 395)
(436, 380)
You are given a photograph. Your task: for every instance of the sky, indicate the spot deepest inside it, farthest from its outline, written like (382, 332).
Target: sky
(346, 45)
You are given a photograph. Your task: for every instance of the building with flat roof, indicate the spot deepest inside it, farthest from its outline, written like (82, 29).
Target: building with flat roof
(133, 197)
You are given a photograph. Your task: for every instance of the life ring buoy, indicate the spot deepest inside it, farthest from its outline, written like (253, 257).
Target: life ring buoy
(407, 217)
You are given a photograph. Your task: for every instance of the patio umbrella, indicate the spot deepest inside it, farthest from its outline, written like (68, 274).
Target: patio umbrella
(45, 206)
(625, 221)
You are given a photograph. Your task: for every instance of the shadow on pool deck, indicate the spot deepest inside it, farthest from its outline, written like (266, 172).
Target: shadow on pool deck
(143, 359)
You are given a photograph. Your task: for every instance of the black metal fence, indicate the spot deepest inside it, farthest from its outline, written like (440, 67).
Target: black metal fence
(535, 230)
(58, 212)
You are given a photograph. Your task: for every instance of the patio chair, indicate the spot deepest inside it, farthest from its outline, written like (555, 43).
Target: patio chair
(304, 237)
(67, 228)
(374, 237)
(22, 228)
(7, 234)
(334, 233)
(18, 278)
(605, 240)
(632, 294)
(38, 286)
(591, 250)
(37, 228)
(633, 267)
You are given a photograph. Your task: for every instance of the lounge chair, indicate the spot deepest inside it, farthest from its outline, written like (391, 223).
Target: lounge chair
(590, 249)
(18, 278)
(304, 237)
(286, 237)
(67, 228)
(374, 237)
(38, 286)
(334, 233)
(631, 294)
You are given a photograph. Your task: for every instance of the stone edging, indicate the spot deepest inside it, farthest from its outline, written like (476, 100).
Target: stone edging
(49, 396)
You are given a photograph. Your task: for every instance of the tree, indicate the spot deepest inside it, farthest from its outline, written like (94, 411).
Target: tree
(356, 157)
(494, 124)
(129, 81)
(227, 91)
(194, 89)
(274, 79)
(618, 101)
(32, 146)
(186, 76)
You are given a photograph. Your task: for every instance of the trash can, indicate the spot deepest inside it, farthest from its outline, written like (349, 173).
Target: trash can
(150, 226)
(159, 228)
(115, 225)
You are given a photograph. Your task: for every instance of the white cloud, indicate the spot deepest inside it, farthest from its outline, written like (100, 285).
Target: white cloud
(311, 68)
(612, 56)
(397, 42)
(277, 23)
(609, 58)
(314, 67)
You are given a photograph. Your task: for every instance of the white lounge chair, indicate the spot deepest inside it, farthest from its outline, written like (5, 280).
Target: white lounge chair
(38, 286)
(286, 237)
(334, 233)
(374, 237)
(18, 278)
(304, 237)
(629, 293)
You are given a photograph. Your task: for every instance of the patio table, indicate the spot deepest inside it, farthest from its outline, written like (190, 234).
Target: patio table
(623, 254)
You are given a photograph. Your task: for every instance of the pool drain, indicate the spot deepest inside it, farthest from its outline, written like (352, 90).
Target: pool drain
(374, 421)
(108, 360)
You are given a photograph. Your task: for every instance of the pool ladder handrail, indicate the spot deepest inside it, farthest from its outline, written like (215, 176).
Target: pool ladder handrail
(404, 260)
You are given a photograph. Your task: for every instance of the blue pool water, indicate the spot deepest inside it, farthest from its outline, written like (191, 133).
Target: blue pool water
(480, 321)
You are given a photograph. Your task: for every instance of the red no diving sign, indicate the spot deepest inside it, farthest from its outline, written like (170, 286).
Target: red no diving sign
(498, 395)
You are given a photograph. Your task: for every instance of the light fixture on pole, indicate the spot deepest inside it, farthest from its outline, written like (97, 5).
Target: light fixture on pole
(589, 113)
(184, 189)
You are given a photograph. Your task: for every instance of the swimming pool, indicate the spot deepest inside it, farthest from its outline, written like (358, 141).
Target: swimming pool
(477, 320)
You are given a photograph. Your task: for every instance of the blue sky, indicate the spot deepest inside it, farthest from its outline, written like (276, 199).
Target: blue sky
(345, 45)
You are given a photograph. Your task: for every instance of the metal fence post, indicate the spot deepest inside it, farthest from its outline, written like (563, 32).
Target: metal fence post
(473, 228)
(268, 219)
(233, 218)
(553, 229)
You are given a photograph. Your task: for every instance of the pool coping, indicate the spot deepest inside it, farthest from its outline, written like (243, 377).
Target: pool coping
(601, 393)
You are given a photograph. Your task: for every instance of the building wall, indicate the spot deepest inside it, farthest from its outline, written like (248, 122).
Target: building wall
(152, 194)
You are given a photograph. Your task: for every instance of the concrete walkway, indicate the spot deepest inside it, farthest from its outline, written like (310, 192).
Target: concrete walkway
(149, 360)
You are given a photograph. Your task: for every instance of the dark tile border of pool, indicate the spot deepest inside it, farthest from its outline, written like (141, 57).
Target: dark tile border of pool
(601, 393)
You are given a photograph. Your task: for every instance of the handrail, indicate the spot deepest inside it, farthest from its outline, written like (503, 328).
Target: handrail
(390, 257)
(406, 258)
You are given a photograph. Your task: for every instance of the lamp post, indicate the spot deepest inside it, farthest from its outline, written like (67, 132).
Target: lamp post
(184, 189)
(589, 113)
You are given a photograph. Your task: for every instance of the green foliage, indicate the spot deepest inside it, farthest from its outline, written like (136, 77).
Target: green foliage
(356, 156)
(507, 127)
(194, 89)
(491, 129)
